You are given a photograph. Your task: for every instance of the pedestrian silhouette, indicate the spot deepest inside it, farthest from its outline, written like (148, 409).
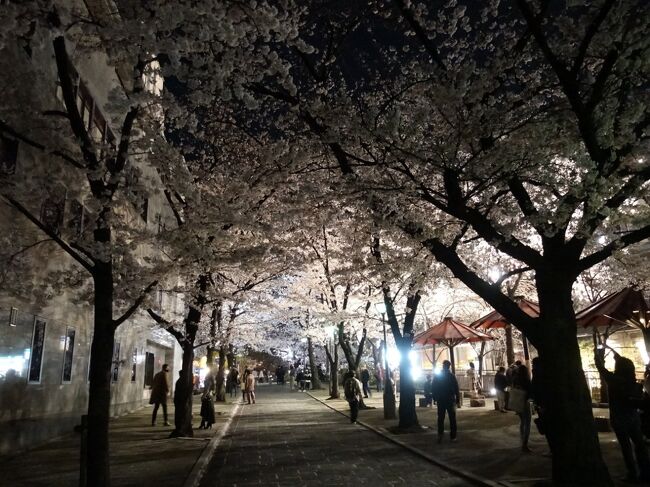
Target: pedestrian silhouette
(447, 395)
(159, 394)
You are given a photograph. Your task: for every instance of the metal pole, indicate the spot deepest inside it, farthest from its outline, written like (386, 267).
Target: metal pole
(383, 322)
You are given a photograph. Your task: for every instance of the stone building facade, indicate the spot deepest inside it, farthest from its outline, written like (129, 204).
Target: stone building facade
(46, 328)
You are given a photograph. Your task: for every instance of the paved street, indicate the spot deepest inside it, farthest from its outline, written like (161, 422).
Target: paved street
(289, 439)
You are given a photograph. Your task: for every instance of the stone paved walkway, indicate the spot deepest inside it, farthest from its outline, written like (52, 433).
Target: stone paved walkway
(141, 456)
(289, 440)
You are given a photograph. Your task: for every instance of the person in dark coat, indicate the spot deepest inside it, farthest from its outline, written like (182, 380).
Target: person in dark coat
(233, 381)
(500, 384)
(624, 400)
(300, 379)
(352, 392)
(159, 393)
(447, 395)
(521, 380)
(365, 381)
(207, 402)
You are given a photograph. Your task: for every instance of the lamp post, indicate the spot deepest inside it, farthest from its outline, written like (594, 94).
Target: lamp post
(389, 396)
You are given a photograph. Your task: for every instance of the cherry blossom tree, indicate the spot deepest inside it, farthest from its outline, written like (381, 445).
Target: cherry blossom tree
(511, 124)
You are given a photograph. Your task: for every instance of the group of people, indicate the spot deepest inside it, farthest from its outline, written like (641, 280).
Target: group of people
(160, 391)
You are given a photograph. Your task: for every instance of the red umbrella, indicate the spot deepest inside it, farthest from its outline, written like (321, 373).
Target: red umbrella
(624, 308)
(497, 320)
(450, 333)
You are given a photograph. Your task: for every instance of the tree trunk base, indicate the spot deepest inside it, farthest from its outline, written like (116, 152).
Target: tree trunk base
(415, 428)
(181, 434)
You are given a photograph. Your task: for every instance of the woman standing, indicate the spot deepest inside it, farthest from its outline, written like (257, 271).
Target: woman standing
(207, 403)
(250, 388)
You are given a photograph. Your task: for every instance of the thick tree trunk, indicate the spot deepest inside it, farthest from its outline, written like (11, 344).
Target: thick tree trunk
(99, 396)
(334, 371)
(231, 356)
(571, 433)
(407, 414)
(510, 351)
(212, 356)
(221, 376)
(315, 381)
(184, 386)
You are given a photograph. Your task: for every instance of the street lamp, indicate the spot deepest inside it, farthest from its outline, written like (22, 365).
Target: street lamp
(389, 396)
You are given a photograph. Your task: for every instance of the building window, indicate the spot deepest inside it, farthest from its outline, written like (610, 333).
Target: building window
(68, 355)
(36, 355)
(116, 361)
(134, 364)
(13, 316)
(93, 119)
(148, 369)
(8, 155)
(76, 221)
(90, 348)
(52, 213)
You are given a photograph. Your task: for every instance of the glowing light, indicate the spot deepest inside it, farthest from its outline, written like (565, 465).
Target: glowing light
(494, 274)
(493, 391)
(416, 373)
(16, 362)
(393, 356)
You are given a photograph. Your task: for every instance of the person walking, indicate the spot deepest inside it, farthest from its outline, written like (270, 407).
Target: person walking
(207, 402)
(242, 384)
(500, 384)
(447, 395)
(159, 394)
(300, 379)
(233, 378)
(521, 394)
(624, 399)
(250, 388)
(352, 391)
(365, 381)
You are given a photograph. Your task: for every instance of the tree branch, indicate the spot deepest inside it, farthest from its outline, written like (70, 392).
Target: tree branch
(628, 239)
(64, 245)
(32, 143)
(127, 314)
(168, 326)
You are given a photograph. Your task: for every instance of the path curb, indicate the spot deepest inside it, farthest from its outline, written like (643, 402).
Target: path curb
(201, 464)
(474, 479)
